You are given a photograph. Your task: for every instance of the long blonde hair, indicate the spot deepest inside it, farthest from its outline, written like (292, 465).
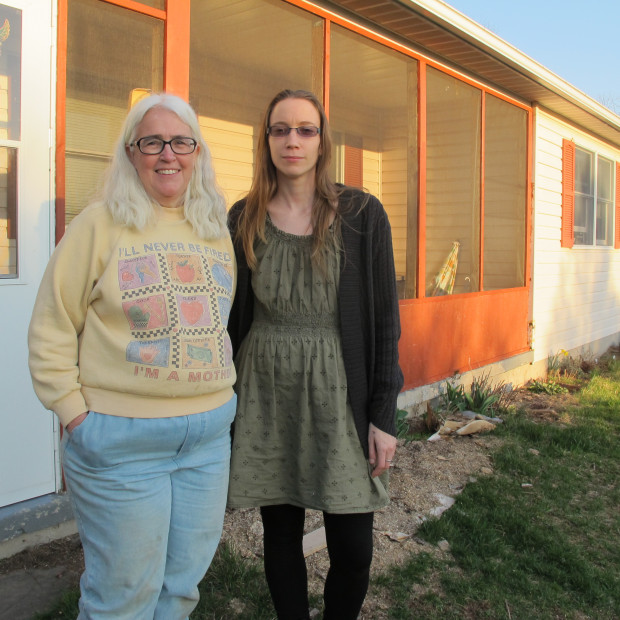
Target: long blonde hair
(251, 223)
(124, 193)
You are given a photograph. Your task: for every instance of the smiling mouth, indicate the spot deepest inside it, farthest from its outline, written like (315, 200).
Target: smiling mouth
(167, 171)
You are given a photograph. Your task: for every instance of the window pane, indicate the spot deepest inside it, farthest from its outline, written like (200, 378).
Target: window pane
(10, 73)
(453, 184)
(584, 217)
(375, 134)
(8, 212)
(584, 181)
(100, 86)
(604, 179)
(242, 54)
(505, 159)
(604, 221)
(10, 129)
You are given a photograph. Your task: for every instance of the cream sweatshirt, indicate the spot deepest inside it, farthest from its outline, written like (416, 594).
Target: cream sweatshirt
(132, 323)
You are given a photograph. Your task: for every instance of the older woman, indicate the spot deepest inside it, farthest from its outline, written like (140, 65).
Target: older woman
(128, 346)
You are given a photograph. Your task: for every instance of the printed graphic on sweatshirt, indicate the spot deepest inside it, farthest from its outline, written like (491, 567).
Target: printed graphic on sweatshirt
(137, 272)
(222, 274)
(149, 352)
(177, 306)
(147, 313)
(185, 269)
(199, 353)
(194, 310)
(224, 308)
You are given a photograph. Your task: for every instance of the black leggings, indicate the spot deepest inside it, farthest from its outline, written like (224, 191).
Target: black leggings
(349, 544)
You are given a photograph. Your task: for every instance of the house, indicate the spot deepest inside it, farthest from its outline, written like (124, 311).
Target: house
(484, 160)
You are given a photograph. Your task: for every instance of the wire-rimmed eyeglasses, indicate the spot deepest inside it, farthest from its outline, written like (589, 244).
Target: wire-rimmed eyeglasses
(305, 131)
(151, 145)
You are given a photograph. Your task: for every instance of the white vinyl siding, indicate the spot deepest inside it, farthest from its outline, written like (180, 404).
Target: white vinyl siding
(576, 292)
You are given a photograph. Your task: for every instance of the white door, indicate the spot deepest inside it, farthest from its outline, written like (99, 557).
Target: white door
(28, 433)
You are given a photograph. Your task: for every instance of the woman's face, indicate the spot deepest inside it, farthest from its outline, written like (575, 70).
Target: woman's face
(294, 156)
(165, 176)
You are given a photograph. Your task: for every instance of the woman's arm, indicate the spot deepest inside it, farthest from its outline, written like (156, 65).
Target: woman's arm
(387, 380)
(58, 319)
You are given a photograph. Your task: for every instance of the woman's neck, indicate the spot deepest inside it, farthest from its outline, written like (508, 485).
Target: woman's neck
(291, 208)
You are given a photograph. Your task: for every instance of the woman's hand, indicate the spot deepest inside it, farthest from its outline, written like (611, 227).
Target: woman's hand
(381, 450)
(76, 422)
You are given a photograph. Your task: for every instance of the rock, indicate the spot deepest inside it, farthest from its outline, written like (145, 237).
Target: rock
(445, 503)
(444, 545)
(236, 606)
(477, 426)
(397, 536)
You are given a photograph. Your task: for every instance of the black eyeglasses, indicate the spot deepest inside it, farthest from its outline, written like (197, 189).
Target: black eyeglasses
(305, 131)
(150, 145)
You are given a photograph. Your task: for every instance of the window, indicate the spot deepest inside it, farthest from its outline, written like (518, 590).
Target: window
(10, 133)
(241, 55)
(374, 123)
(505, 195)
(588, 197)
(453, 186)
(101, 84)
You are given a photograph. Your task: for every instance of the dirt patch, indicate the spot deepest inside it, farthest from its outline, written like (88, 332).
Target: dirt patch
(425, 477)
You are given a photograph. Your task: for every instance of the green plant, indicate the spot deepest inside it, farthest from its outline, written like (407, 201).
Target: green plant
(546, 387)
(482, 398)
(403, 428)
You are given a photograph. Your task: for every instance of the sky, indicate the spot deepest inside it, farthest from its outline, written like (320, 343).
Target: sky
(577, 40)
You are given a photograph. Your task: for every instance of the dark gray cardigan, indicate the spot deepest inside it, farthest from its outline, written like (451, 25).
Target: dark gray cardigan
(368, 308)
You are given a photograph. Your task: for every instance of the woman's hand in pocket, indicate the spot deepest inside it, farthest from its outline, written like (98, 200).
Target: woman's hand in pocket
(76, 422)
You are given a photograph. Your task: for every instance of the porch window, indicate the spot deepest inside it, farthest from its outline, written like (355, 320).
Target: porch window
(241, 55)
(453, 183)
(373, 115)
(10, 134)
(100, 83)
(505, 182)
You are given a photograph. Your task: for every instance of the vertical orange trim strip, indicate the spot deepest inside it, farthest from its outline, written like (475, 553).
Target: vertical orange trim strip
(617, 235)
(568, 194)
(483, 130)
(327, 57)
(529, 195)
(61, 99)
(176, 48)
(421, 277)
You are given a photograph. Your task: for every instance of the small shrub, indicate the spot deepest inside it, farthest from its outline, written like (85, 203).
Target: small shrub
(546, 387)
(483, 397)
(563, 366)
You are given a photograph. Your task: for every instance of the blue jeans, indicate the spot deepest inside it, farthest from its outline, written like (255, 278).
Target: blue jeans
(149, 497)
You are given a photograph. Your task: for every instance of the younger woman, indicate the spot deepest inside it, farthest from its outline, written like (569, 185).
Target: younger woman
(315, 330)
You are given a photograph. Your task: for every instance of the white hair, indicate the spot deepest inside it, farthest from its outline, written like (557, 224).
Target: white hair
(124, 193)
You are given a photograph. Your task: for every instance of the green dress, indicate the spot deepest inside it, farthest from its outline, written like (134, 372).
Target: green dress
(295, 440)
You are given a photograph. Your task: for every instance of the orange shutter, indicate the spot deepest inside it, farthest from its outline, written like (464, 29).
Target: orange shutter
(353, 166)
(617, 241)
(568, 194)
